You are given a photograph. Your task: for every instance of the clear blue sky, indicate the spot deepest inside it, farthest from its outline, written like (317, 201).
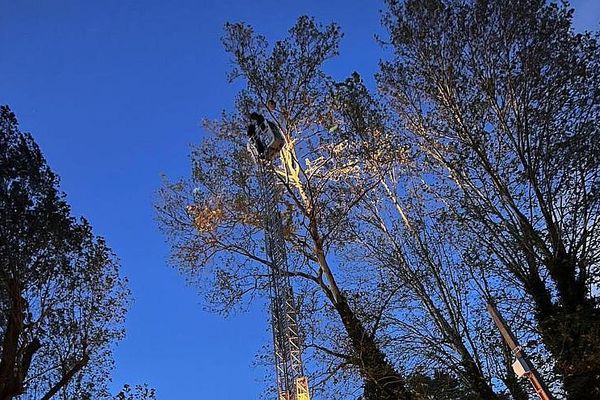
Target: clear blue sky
(113, 91)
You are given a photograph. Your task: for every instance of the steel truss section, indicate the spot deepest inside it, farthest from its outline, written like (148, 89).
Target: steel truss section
(291, 383)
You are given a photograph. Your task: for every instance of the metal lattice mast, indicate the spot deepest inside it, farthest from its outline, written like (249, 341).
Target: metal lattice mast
(291, 383)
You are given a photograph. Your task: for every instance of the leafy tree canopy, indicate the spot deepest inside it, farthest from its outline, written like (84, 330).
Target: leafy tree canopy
(62, 300)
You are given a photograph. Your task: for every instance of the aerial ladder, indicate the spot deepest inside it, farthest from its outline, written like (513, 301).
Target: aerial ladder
(522, 366)
(265, 141)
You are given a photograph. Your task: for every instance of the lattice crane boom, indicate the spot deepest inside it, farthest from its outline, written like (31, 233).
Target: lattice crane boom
(265, 142)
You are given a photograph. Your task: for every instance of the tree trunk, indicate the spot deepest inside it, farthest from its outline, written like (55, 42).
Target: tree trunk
(573, 338)
(15, 361)
(571, 332)
(382, 381)
(479, 385)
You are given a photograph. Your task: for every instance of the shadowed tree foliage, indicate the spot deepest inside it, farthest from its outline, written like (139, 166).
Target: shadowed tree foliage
(62, 302)
(139, 392)
(502, 100)
(440, 385)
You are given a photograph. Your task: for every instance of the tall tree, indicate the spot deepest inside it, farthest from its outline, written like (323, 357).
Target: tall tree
(501, 97)
(213, 220)
(62, 302)
(400, 229)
